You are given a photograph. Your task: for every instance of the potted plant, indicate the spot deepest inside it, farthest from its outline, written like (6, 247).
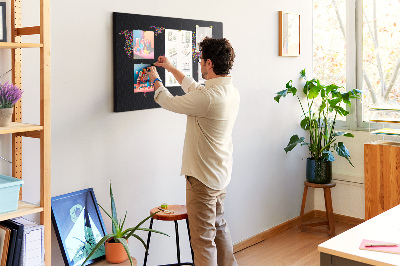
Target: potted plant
(324, 105)
(9, 95)
(116, 243)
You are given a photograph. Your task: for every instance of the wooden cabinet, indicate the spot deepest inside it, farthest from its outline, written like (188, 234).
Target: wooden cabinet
(382, 177)
(18, 129)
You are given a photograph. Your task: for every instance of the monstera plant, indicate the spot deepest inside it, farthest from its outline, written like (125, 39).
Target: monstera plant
(323, 105)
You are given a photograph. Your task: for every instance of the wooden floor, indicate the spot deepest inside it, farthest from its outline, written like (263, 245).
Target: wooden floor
(290, 247)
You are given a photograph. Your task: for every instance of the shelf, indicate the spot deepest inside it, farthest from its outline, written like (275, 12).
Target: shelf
(387, 131)
(16, 127)
(24, 208)
(9, 45)
(385, 107)
(386, 120)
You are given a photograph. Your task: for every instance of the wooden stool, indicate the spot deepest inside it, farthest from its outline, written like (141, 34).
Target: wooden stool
(180, 213)
(328, 207)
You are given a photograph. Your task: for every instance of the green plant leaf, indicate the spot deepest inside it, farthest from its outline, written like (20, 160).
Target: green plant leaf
(133, 229)
(343, 151)
(294, 140)
(303, 73)
(327, 156)
(346, 98)
(140, 239)
(101, 242)
(152, 230)
(305, 123)
(331, 88)
(115, 223)
(349, 135)
(280, 94)
(113, 211)
(122, 224)
(314, 92)
(126, 247)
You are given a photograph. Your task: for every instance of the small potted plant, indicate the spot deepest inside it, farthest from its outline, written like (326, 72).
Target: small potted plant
(9, 95)
(116, 243)
(324, 105)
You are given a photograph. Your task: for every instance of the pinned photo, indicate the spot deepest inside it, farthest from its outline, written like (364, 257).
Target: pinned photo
(143, 46)
(141, 80)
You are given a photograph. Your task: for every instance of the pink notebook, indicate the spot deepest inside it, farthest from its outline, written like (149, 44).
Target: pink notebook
(393, 249)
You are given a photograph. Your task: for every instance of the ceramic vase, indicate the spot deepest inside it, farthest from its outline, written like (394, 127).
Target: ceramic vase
(318, 172)
(5, 116)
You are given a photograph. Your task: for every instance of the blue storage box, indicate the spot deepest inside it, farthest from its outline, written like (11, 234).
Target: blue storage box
(9, 193)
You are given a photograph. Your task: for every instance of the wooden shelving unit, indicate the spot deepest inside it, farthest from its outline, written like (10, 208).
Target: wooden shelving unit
(42, 131)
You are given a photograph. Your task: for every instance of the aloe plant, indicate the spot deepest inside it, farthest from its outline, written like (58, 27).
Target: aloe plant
(320, 124)
(119, 234)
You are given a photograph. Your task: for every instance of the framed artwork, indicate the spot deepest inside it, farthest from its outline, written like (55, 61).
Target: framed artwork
(289, 34)
(3, 28)
(138, 41)
(78, 226)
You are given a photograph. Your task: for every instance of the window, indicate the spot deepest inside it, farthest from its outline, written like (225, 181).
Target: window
(363, 54)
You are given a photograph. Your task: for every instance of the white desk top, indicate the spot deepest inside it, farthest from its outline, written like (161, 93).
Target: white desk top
(384, 227)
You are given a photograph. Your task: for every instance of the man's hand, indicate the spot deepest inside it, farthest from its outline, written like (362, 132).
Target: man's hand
(165, 63)
(152, 72)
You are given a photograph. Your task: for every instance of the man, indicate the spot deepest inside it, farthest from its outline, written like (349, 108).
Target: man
(207, 154)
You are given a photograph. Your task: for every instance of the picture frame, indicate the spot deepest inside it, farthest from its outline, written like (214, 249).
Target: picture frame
(289, 34)
(78, 225)
(3, 22)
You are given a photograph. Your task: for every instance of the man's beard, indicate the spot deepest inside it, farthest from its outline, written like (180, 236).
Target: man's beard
(204, 75)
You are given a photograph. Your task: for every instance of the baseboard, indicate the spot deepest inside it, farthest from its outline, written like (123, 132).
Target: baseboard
(289, 224)
(271, 232)
(340, 218)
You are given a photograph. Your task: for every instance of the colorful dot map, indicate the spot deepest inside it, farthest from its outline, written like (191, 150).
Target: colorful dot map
(128, 42)
(159, 30)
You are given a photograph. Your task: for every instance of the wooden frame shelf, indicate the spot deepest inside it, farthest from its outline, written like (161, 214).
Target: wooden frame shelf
(15, 45)
(24, 208)
(16, 127)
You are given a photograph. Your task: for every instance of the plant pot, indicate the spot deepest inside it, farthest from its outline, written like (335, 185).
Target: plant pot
(5, 116)
(319, 172)
(115, 252)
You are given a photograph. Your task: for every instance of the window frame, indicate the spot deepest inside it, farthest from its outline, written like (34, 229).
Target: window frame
(354, 70)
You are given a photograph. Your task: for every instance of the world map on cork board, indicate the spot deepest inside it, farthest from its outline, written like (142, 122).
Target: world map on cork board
(139, 40)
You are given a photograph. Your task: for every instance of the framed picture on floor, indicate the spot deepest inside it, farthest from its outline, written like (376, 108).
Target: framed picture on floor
(289, 34)
(3, 27)
(78, 226)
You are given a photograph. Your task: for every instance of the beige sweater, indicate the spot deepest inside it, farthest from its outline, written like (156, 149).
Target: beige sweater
(211, 113)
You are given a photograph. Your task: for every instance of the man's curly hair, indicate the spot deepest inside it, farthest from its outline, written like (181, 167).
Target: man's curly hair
(220, 52)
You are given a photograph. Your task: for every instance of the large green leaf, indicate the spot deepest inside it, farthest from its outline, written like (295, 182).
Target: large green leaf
(101, 242)
(327, 156)
(294, 140)
(314, 92)
(343, 151)
(305, 123)
(331, 88)
(346, 98)
(113, 211)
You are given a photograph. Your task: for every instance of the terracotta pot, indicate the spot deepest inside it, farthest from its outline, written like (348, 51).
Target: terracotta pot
(5, 116)
(115, 252)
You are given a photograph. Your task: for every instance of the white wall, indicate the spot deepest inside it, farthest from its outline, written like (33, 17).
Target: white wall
(141, 151)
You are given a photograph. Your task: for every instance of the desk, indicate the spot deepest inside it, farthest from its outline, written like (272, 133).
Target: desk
(344, 248)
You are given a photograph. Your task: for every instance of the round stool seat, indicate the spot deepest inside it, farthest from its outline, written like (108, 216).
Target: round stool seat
(308, 184)
(180, 213)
